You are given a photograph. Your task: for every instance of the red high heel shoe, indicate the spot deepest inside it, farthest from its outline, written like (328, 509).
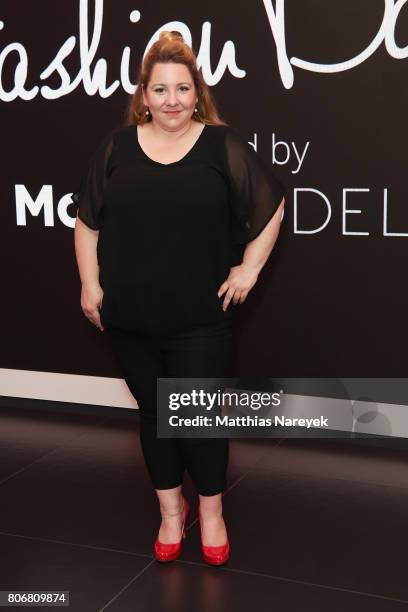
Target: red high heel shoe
(170, 552)
(214, 555)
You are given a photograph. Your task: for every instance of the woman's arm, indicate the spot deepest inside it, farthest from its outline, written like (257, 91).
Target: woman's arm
(242, 278)
(86, 240)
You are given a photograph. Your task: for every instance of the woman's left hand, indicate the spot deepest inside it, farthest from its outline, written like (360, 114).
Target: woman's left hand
(240, 281)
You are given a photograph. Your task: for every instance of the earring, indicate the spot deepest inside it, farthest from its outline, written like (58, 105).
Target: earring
(147, 112)
(195, 110)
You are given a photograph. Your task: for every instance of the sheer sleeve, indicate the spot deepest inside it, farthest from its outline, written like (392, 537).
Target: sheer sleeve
(88, 197)
(255, 192)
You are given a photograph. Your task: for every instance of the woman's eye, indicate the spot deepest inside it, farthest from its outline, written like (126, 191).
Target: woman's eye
(161, 89)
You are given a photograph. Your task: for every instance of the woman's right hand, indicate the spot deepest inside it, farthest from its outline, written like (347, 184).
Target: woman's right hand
(91, 301)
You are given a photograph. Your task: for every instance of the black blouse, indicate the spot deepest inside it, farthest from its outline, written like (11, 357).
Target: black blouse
(169, 233)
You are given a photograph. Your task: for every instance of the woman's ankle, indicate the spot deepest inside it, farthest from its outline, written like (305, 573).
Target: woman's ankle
(171, 501)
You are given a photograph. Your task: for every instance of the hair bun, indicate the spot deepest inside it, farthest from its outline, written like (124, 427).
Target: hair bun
(171, 35)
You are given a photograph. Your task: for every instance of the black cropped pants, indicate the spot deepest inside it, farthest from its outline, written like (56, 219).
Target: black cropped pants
(197, 352)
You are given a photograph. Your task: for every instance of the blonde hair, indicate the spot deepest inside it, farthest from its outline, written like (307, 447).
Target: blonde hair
(171, 47)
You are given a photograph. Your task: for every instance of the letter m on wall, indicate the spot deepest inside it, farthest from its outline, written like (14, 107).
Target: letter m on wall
(24, 201)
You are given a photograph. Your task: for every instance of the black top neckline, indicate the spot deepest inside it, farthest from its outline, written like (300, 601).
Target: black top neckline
(189, 152)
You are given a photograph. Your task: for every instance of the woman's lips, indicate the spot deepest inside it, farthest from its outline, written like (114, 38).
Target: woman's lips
(172, 112)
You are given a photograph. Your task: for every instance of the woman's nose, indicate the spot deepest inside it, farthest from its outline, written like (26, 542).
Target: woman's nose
(172, 97)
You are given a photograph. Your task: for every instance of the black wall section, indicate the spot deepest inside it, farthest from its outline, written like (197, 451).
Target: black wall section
(328, 303)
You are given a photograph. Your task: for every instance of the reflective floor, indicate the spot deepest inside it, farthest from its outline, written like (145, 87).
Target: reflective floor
(314, 525)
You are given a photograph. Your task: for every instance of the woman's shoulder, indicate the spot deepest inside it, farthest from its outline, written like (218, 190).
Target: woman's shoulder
(119, 138)
(218, 128)
(123, 131)
(220, 132)
(225, 132)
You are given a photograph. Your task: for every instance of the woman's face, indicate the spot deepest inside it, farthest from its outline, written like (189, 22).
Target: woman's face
(171, 88)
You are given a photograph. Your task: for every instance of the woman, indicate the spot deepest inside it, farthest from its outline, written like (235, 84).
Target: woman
(177, 215)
